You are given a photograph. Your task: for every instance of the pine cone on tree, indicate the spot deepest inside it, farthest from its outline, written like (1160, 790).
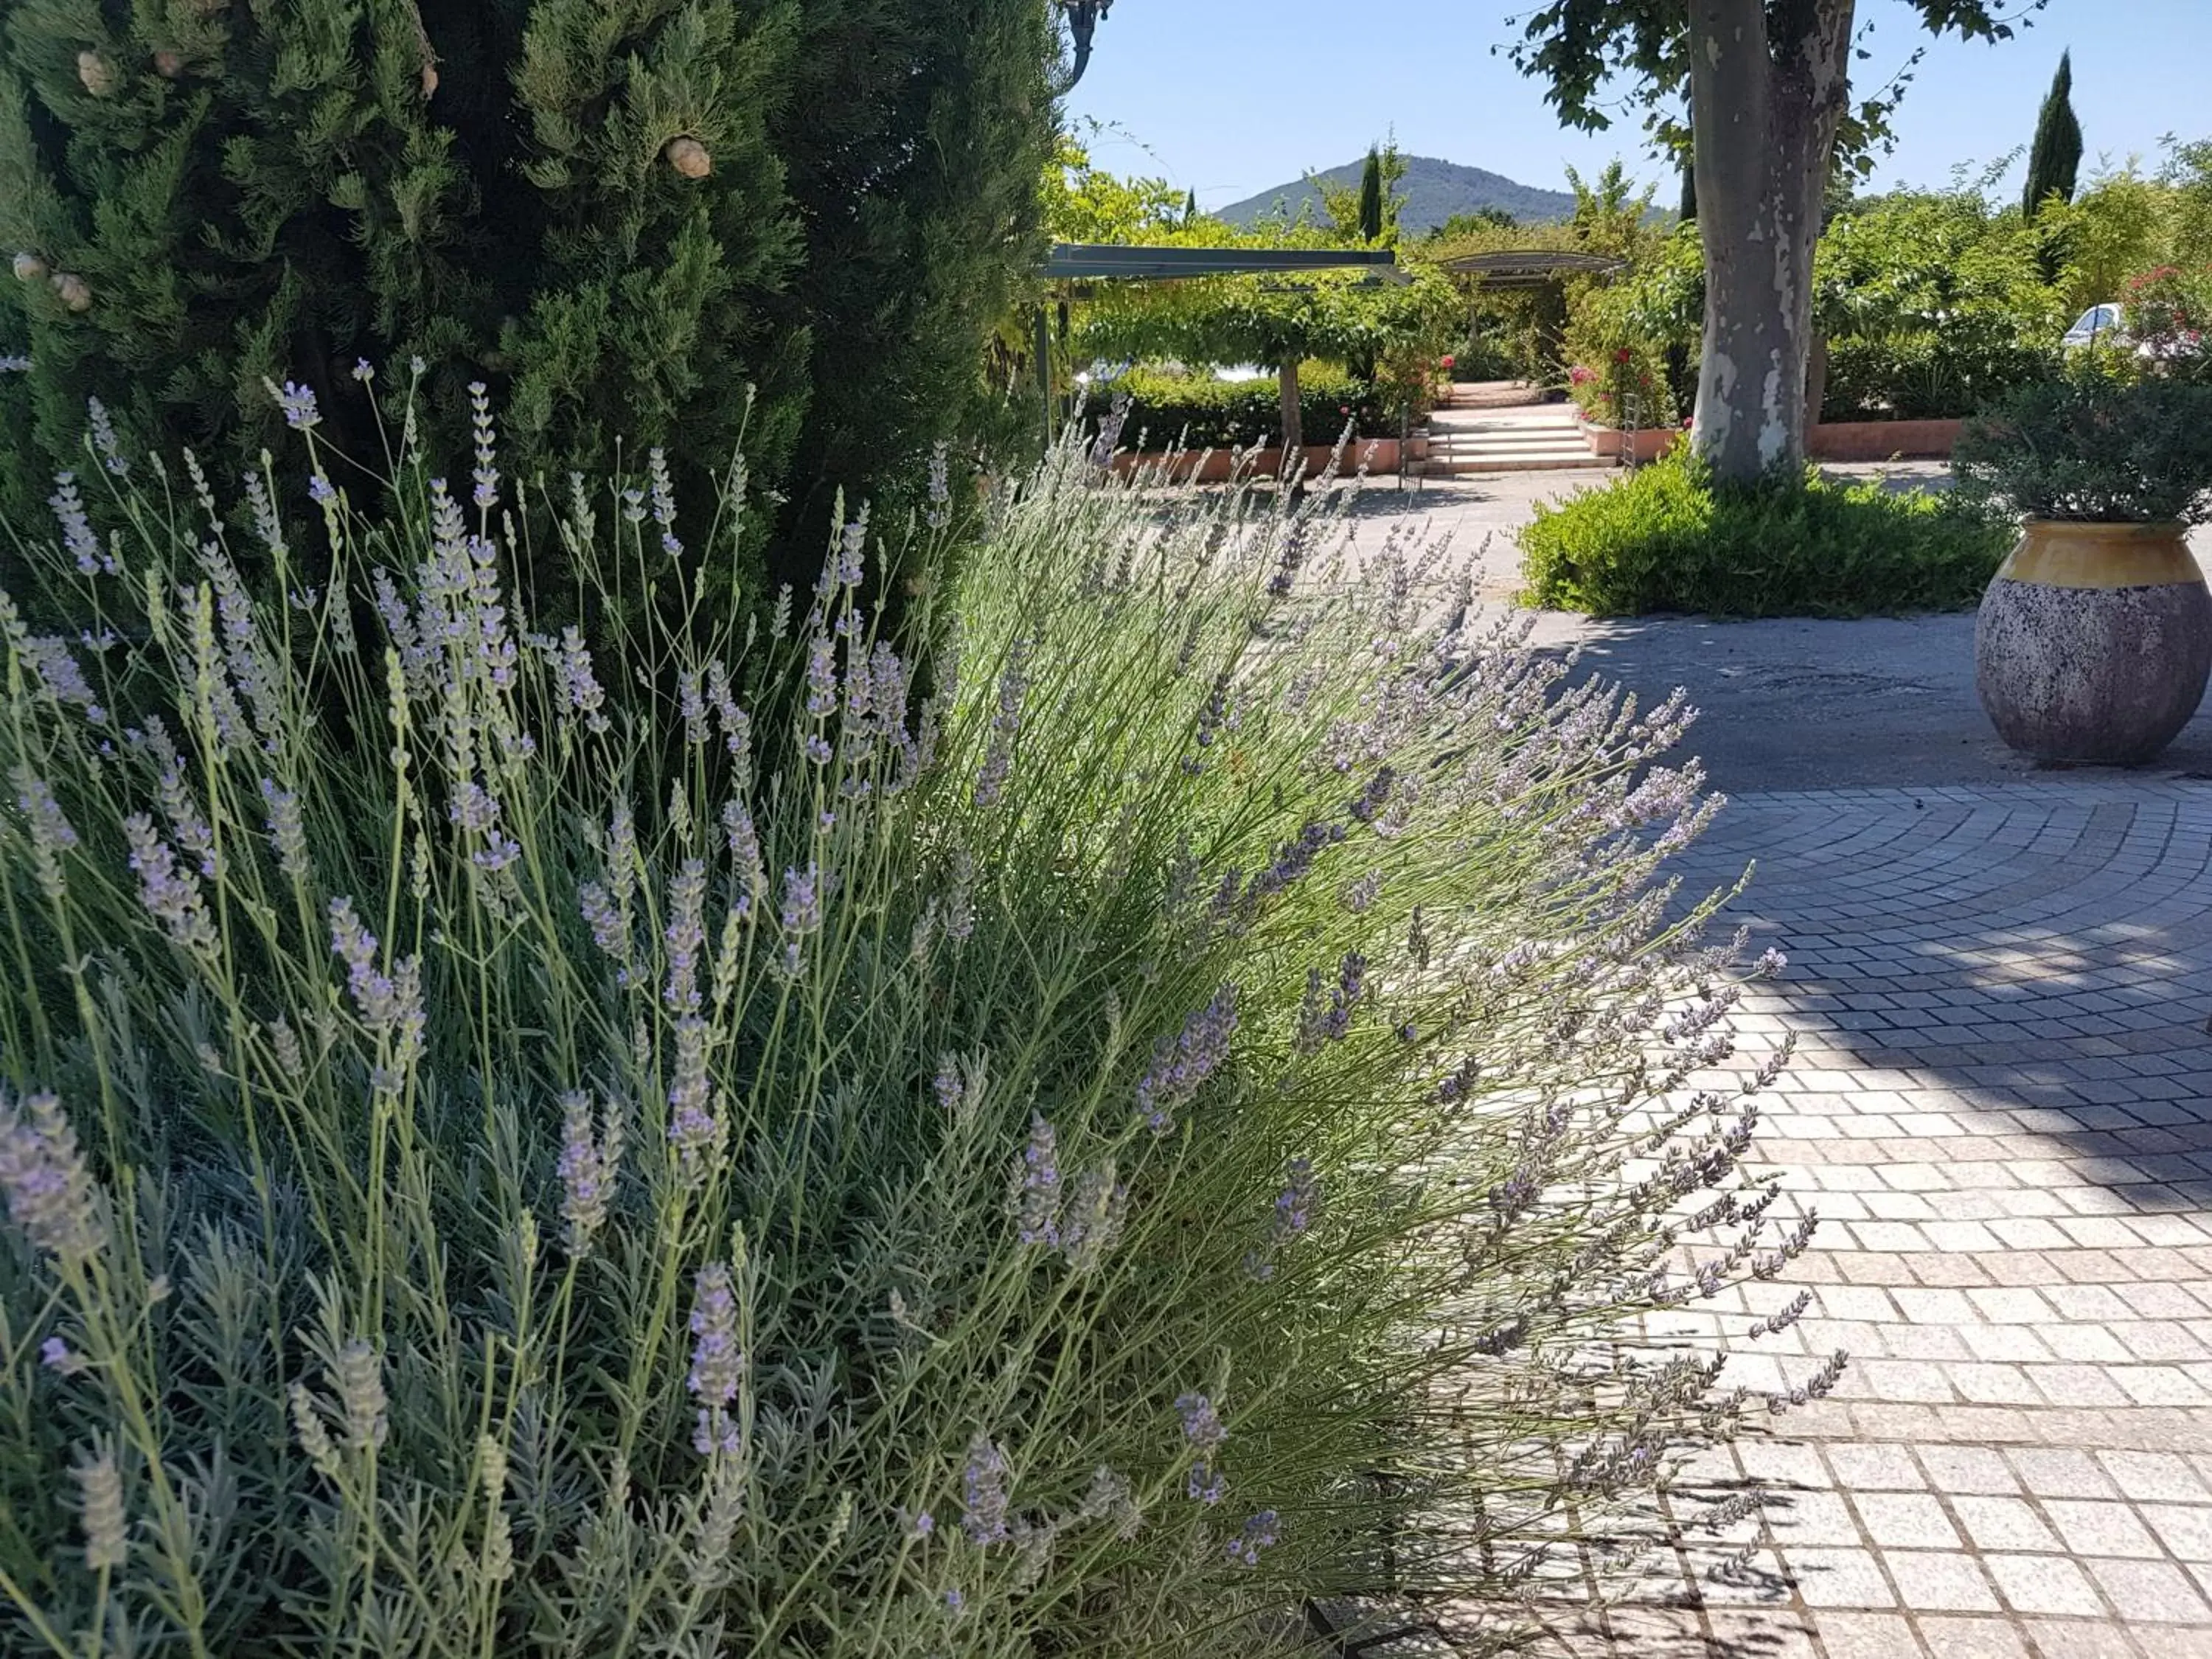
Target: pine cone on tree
(72, 291)
(689, 157)
(97, 74)
(29, 268)
(169, 63)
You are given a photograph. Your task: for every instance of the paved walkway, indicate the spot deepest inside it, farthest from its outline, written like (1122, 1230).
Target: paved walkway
(2002, 1108)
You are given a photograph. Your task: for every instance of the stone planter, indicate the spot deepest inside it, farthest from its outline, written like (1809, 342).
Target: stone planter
(1651, 441)
(2094, 641)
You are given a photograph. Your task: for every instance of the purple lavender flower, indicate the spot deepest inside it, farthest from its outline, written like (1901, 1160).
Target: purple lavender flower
(718, 1363)
(298, 404)
(1295, 1203)
(951, 1089)
(983, 1493)
(1093, 1221)
(610, 928)
(1036, 1188)
(1209, 720)
(693, 1129)
(172, 896)
(1321, 1022)
(1205, 1484)
(487, 470)
(288, 834)
(51, 831)
(1180, 1066)
(364, 370)
(1260, 1532)
(663, 500)
(821, 676)
(387, 1003)
(51, 1196)
(77, 538)
(105, 441)
(63, 681)
(321, 490)
(579, 686)
(1201, 1422)
(940, 487)
(802, 911)
(818, 750)
(853, 550)
(1006, 727)
(744, 853)
(587, 1168)
(57, 1357)
(686, 935)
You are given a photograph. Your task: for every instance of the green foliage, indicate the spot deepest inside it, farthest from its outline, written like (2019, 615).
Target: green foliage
(2087, 446)
(1341, 317)
(1084, 203)
(1668, 538)
(488, 1172)
(2055, 158)
(1371, 198)
(1577, 47)
(1202, 412)
(671, 223)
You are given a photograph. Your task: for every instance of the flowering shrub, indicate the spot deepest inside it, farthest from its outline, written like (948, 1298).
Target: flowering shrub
(1159, 1144)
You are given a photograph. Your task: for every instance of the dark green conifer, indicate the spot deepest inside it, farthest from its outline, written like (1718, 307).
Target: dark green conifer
(2055, 158)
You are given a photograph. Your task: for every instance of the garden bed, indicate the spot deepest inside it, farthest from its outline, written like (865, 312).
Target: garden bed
(1378, 456)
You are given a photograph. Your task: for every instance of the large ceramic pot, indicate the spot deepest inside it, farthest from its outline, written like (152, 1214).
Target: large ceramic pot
(2094, 641)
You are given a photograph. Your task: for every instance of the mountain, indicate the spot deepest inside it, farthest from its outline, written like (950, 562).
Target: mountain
(1434, 191)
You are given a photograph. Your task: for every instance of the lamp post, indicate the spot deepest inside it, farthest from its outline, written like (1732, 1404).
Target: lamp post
(1083, 18)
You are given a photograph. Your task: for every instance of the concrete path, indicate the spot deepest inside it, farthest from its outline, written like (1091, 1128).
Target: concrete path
(2000, 1107)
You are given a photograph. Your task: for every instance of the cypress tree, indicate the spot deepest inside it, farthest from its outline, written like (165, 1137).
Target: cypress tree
(1371, 198)
(621, 214)
(1190, 207)
(2054, 157)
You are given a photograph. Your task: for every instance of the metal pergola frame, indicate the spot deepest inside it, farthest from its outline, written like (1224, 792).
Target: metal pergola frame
(1107, 261)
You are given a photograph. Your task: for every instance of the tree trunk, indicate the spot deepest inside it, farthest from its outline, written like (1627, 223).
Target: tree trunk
(1294, 434)
(1768, 79)
(1816, 381)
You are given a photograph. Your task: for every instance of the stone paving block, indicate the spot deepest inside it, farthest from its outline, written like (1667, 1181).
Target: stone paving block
(2092, 1528)
(2151, 1592)
(1840, 1578)
(1973, 1638)
(2185, 1529)
(2043, 1583)
(1940, 1582)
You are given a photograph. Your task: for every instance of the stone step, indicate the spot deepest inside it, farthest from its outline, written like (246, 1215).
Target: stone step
(1554, 460)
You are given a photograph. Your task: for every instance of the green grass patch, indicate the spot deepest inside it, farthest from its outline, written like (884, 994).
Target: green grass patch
(1668, 538)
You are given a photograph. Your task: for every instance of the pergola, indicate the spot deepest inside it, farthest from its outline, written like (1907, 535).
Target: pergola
(1532, 267)
(1106, 261)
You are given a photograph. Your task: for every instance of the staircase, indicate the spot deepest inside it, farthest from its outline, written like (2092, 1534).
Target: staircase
(1465, 436)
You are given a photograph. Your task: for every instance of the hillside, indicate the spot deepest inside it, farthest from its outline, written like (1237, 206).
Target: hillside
(1434, 191)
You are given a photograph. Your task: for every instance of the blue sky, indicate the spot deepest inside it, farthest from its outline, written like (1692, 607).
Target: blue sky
(1231, 97)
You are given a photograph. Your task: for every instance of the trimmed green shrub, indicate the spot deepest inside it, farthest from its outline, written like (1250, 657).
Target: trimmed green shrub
(1183, 1128)
(2094, 448)
(1201, 412)
(1665, 538)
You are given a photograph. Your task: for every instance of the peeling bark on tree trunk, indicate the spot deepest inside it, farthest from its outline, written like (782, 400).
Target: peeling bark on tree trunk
(1294, 436)
(1768, 79)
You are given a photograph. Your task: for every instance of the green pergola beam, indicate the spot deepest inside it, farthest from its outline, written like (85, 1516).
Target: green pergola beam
(1100, 259)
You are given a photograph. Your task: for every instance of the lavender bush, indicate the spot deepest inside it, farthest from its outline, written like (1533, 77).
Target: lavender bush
(1164, 1143)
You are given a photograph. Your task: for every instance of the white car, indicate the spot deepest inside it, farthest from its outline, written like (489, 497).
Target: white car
(2097, 322)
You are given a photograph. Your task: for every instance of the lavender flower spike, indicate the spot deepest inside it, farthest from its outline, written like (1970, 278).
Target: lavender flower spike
(1201, 1422)
(718, 1363)
(1181, 1065)
(298, 403)
(1036, 1198)
(51, 1196)
(983, 1493)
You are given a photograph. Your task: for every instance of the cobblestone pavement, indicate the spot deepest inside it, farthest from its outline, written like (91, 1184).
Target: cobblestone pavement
(2002, 1108)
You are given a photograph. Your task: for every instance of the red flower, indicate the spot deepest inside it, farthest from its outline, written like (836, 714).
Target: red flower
(1344, 409)
(1624, 355)
(1451, 362)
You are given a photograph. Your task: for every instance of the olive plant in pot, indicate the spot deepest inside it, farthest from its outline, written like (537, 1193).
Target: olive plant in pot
(2094, 640)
